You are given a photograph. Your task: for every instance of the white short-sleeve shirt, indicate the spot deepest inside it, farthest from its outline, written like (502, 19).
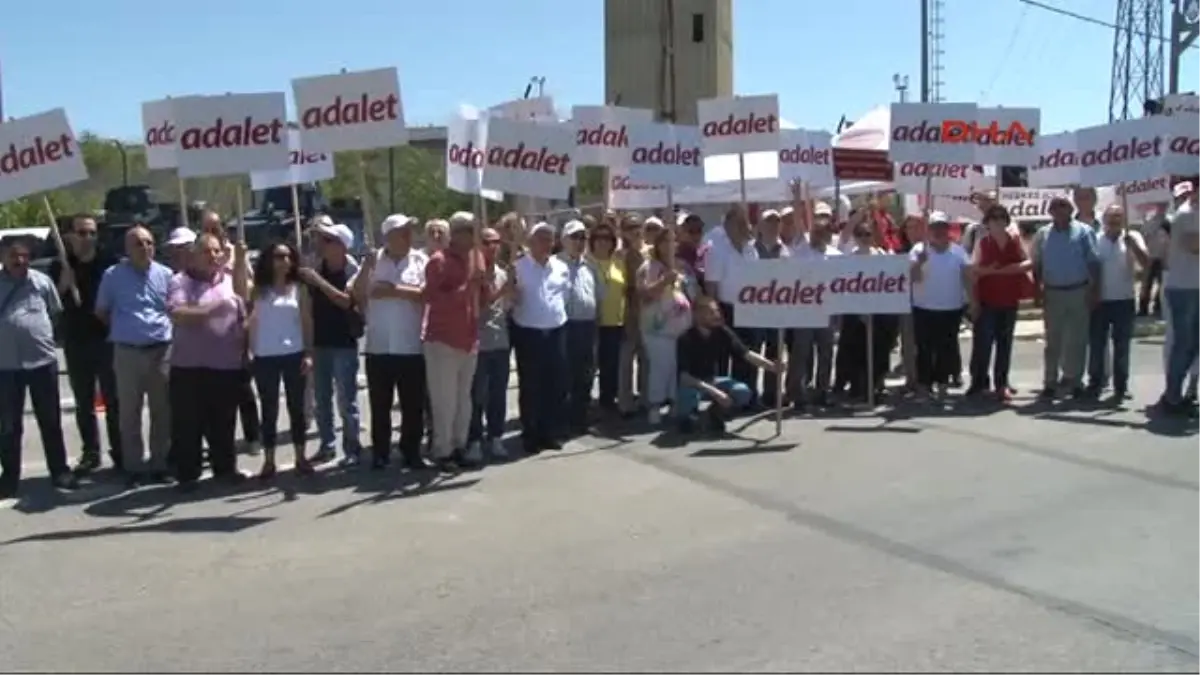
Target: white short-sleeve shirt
(941, 287)
(720, 264)
(1116, 266)
(541, 293)
(1183, 268)
(804, 251)
(394, 324)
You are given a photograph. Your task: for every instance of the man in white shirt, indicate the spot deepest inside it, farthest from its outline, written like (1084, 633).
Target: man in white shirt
(1121, 251)
(940, 270)
(1181, 292)
(390, 287)
(727, 253)
(540, 336)
(809, 344)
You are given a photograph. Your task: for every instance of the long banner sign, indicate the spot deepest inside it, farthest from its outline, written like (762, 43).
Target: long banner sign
(807, 292)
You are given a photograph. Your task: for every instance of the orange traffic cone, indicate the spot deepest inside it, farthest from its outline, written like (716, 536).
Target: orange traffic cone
(98, 402)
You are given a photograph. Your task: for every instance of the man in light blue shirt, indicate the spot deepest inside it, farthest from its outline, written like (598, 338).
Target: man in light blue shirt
(1066, 271)
(582, 299)
(132, 300)
(29, 363)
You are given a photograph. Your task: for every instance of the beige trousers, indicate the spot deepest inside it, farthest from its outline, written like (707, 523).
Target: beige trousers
(448, 374)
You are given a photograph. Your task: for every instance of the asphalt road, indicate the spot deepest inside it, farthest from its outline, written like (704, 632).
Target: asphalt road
(965, 539)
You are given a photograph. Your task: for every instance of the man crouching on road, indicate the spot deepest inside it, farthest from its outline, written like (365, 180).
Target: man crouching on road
(699, 350)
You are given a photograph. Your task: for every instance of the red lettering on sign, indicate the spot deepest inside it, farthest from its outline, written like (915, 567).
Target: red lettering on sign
(926, 169)
(1111, 153)
(962, 131)
(345, 112)
(163, 134)
(242, 134)
(662, 154)
(753, 124)
(38, 152)
(538, 160)
(810, 155)
(797, 293)
(623, 183)
(603, 137)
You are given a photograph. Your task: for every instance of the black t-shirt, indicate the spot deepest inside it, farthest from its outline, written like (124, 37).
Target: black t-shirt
(79, 322)
(332, 324)
(698, 353)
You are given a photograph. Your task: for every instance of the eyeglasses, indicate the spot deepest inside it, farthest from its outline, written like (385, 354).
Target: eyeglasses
(86, 234)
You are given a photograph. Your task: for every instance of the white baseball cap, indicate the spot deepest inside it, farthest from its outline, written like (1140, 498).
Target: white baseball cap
(1183, 188)
(769, 213)
(336, 230)
(319, 220)
(654, 222)
(786, 211)
(181, 236)
(573, 227)
(542, 227)
(939, 217)
(823, 209)
(395, 221)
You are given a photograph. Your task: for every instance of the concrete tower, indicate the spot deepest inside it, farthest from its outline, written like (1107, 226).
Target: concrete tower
(667, 54)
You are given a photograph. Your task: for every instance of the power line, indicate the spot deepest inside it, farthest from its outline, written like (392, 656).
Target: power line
(1092, 20)
(1008, 50)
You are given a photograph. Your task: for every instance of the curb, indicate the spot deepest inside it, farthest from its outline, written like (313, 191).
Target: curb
(1140, 330)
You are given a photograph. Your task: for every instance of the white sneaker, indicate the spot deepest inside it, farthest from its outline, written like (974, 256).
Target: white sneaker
(496, 449)
(654, 416)
(474, 453)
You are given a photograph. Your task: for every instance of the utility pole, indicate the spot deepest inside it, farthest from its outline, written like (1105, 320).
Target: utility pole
(900, 82)
(924, 51)
(1184, 17)
(666, 72)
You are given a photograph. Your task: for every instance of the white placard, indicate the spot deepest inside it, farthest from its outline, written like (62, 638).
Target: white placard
(540, 109)
(961, 133)
(959, 208)
(950, 180)
(602, 133)
(529, 158)
(624, 193)
(38, 153)
(1122, 151)
(795, 293)
(1176, 104)
(230, 134)
(666, 154)
(806, 156)
(1141, 193)
(740, 124)
(306, 167)
(1183, 145)
(1030, 204)
(158, 133)
(350, 111)
(1055, 165)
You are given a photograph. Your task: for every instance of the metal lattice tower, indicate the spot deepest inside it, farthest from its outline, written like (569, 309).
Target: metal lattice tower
(1137, 58)
(937, 33)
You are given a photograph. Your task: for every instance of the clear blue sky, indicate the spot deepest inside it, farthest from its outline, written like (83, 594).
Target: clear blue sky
(100, 59)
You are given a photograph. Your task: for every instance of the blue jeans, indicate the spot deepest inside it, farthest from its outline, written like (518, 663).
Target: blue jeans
(42, 387)
(1184, 305)
(687, 399)
(335, 369)
(1115, 318)
(489, 395)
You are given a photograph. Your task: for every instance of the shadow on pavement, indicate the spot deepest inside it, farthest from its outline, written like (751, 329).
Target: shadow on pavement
(198, 525)
(752, 449)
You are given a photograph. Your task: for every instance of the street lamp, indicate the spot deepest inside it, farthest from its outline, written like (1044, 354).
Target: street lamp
(900, 82)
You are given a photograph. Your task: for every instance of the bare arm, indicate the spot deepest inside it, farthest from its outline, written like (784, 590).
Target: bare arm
(688, 380)
(306, 319)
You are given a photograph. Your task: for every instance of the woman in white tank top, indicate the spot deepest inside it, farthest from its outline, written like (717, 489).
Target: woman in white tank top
(281, 343)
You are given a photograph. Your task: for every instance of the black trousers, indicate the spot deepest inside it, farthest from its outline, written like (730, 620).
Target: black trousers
(851, 360)
(90, 365)
(42, 386)
(1150, 296)
(608, 363)
(542, 374)
(760, 339)
(204, 411)
(269, 372)
(936, 335)
(390, 376)
(247, 406)
(581, 370)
